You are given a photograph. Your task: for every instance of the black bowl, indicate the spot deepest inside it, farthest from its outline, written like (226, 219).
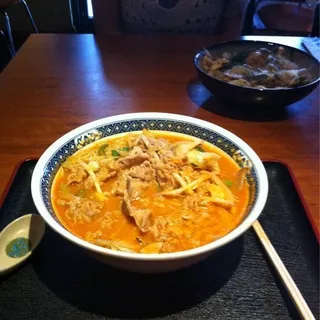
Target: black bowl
(258, 97)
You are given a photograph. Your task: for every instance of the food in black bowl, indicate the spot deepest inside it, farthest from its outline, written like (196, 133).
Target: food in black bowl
(257, 72)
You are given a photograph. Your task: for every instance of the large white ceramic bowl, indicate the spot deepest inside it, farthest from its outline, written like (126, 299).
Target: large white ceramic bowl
(51, 159)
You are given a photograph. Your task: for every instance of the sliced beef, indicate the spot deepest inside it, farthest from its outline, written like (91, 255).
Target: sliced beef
(76, 174)
(144, 172)
(120, 186)
(166, 155)
(104, 174)
(88, 183)
(286, 64)
(287, 78)
(142, 217)
(164, 174)
(256, 59)
(110, 165)
(82, 210)
(160, 144)
(135, 188)
(136, 157)
(157, 227)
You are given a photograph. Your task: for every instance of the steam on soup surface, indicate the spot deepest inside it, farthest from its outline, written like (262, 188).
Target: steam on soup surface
(150, 192)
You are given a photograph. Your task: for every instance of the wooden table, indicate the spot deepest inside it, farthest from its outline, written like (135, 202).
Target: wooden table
(58, 82)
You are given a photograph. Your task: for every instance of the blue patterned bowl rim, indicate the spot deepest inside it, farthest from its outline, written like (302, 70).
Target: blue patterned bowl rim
(68, 144)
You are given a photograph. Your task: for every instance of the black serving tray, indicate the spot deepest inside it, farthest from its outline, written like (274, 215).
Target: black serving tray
(60, 281)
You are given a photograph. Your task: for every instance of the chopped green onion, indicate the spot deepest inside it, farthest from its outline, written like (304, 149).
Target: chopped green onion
(228, 183)
(125, 149)
(115, 153)
(199, 148)
(81, 193)
(102, 150)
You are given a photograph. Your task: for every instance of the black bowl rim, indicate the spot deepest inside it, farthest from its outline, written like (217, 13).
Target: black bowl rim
(221, 44)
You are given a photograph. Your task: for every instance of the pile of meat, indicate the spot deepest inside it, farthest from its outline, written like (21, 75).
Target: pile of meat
(260, 69)
(147, 160)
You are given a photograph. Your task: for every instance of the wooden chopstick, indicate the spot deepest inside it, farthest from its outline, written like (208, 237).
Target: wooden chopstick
(293, 290)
